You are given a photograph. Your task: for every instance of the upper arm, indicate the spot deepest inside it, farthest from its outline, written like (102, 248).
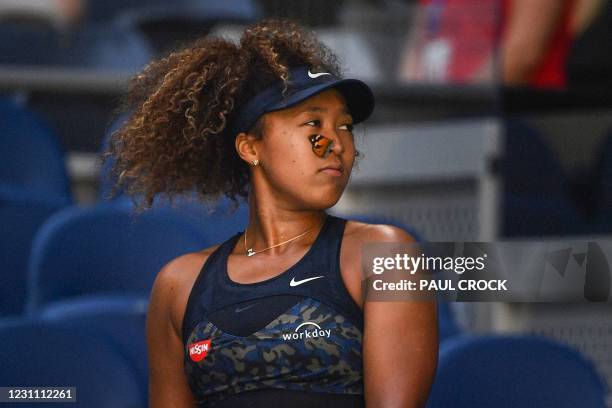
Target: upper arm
(400, 345)
(529, 28)
(168, 385)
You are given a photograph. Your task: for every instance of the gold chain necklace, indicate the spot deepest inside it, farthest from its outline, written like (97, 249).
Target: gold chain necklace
(250, 251)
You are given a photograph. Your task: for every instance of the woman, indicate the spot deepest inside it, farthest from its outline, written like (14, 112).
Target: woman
(460, 41)
(535, 41)
(275, 313)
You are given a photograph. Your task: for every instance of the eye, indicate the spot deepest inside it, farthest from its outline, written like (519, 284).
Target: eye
(348, 126)
(315, 122)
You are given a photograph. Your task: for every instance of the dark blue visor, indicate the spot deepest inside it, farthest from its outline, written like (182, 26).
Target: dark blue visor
(302, 84)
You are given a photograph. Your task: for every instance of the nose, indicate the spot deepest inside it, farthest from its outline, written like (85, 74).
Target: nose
(338, 145)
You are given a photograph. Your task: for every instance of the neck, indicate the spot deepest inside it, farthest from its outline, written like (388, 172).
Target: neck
(269, 225)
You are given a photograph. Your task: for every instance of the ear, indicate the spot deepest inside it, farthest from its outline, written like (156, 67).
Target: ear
(246, 146)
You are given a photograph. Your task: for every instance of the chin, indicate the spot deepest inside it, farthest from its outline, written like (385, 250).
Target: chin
(322, 196)
(324, 202)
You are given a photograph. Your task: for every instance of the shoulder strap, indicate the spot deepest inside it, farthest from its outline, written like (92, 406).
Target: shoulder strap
(202, 287)
(338, 290)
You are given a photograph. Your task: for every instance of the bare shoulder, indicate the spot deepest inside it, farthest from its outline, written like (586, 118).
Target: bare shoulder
(357, 234)
(362, 232)
(167, 383)
(174, 282)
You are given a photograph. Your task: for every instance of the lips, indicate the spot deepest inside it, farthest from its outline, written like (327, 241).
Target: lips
(333, 170)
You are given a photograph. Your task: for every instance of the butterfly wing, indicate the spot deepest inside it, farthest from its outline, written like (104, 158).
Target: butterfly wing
(321, 145)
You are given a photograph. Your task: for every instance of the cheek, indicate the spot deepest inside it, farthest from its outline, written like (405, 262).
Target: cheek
(290, 158)
(349, 155)
(294, 169)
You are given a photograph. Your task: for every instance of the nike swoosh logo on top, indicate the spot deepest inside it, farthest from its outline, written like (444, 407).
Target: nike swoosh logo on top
(238, 309)
(313, 76)
(295, 283)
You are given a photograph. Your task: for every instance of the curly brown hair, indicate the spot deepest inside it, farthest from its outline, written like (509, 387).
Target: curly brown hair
(176, 139)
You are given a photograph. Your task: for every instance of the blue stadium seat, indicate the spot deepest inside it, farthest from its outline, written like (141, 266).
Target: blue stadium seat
(314, 13)
(541, 216)
(205, 11)
(514, 371)
(36, 354)
(22, 44)
(105, 11)
(104, 250)
(30, 156)
(168, 26)
(536, 199)
(118, 319)
(217, 225)
(448, 327)
(22, 212)
(605, 166)
(105, 47)
(530, 166)
(99, 46)
(602, 223)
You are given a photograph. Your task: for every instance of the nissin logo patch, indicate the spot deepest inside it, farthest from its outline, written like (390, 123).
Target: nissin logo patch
(198, 351)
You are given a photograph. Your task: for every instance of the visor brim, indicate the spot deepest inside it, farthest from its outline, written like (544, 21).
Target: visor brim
(357, 94)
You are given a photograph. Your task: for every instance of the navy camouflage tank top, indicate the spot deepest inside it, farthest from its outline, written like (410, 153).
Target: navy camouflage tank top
(295, 338)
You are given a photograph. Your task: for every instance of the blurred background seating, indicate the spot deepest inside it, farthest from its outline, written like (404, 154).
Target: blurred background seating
(58, 356)
(31, 156)
(104, 250)
(118, 319)
(514, 371)
(168, 27)
(22, 213)
(536, 205)
(456, 150)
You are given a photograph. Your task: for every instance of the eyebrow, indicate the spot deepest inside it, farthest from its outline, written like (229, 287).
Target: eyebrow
(321, 109)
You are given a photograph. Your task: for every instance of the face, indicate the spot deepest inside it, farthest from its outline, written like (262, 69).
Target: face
(307, 152)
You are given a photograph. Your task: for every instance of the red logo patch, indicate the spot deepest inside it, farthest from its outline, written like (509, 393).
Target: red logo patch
(198, 351)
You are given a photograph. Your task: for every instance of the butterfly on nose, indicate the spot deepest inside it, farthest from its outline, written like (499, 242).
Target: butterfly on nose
(321, 145)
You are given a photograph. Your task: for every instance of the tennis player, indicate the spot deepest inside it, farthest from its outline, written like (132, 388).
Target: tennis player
(274, 316)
